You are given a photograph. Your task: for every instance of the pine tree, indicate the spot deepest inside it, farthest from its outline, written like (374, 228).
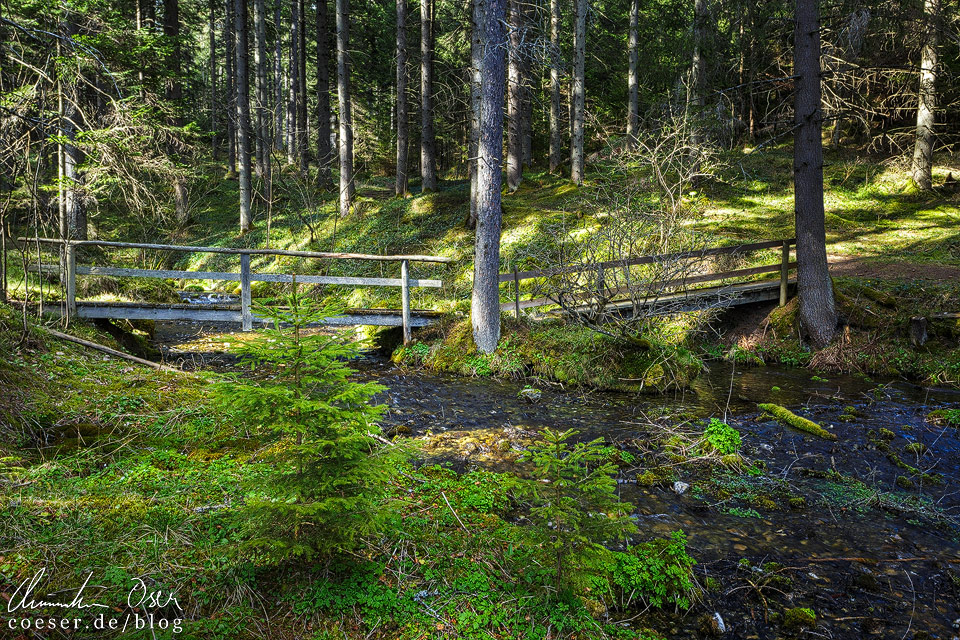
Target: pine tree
(318, 489)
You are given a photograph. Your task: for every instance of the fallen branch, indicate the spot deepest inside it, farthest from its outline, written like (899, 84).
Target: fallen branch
(112, 352)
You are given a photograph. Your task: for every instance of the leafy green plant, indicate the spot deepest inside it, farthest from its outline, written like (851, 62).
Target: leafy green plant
(315, 491)
(575, 505)
(658, 573)
(721, 437)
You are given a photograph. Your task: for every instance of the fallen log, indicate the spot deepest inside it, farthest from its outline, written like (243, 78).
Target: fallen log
(112, 352)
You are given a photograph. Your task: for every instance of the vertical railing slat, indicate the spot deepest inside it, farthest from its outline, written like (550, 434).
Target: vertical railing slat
(71, 280)
(405, 299)
(245, 297)
(784, 270)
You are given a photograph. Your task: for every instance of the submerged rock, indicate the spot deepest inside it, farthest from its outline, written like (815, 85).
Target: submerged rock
(531, 395)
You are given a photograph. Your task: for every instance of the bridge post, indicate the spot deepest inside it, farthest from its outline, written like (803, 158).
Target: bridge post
(405, 299)
(245, 297)
(516, 291)
(70, 260)
(784, 270)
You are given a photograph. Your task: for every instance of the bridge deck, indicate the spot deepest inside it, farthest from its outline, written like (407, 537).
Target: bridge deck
(233, 313)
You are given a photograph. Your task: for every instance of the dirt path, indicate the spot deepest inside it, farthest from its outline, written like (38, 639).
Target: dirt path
(861, 267)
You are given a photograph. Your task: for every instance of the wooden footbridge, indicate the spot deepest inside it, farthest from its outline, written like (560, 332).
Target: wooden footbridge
(726, 288)
(242, 313)
(665, 296)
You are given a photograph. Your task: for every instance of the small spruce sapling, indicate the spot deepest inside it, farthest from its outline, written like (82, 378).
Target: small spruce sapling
(575, 508)
(317, 491)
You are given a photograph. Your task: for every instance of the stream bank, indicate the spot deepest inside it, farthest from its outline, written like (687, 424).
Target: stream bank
(863, 531)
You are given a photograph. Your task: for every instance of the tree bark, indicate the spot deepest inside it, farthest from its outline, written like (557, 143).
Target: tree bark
(243, 112)
(73, 208)
(403, 141)
(485, 303)
(428, 143)
(303, 135)
(263, 115)
(174, 95)
(476, 61)
(927, 98)
(324, 148)
(578, 90)
(514, 99)
(695, 99)
(229, 38)
(213, 78)
(526, 87)
(345, 116)
(633, 80)
(293, 73)
(556, 138)
(278, 104)
(818, 315)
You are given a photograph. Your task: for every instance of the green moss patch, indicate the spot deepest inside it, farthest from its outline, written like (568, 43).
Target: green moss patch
(792, 420)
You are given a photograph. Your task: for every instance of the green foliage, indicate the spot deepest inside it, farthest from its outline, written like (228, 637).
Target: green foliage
(721, 437)
(658, 573)
(575, 509)
(317, 490)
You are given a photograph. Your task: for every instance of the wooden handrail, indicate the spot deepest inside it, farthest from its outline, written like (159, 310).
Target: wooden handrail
(248, 252)
(629, 262)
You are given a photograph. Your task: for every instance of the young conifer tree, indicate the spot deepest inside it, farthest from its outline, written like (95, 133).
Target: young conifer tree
(318, 490)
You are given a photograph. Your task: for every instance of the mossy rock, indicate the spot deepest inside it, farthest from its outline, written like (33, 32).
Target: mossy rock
(799, 618)
(792, 420)
(949, 417)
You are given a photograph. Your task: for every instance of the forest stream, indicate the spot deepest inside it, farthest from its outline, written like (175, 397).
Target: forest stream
(838, 527)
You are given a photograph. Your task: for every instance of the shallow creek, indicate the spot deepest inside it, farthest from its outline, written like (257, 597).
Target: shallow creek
(871, 556)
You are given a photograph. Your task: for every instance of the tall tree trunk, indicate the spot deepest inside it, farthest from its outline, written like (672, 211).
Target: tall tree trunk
(818, 314)
(633, 79)
(556, 138)
(293, 73)
(927, 98)
(526, 87)
(243, 112)
(212, 27)
(263, 115)
(476, 62)
(578, 90)
(229, 38)
(698, 73)
(74, 212)
(302, 133)
(514, 99)
(345, 140)
(174, 91)
(485, 302)
(403, 142)
(324, 148)
(428, 143)
(278, 103)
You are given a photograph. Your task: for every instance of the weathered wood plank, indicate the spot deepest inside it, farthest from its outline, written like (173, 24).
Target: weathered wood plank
(252, 252)
(245, 297)
(205, 314)
(357, 281)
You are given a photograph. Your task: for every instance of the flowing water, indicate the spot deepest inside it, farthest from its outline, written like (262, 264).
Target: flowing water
(870, 555)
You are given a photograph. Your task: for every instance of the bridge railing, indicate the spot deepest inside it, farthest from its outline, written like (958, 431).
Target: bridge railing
(69, 271)
(784, 266)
